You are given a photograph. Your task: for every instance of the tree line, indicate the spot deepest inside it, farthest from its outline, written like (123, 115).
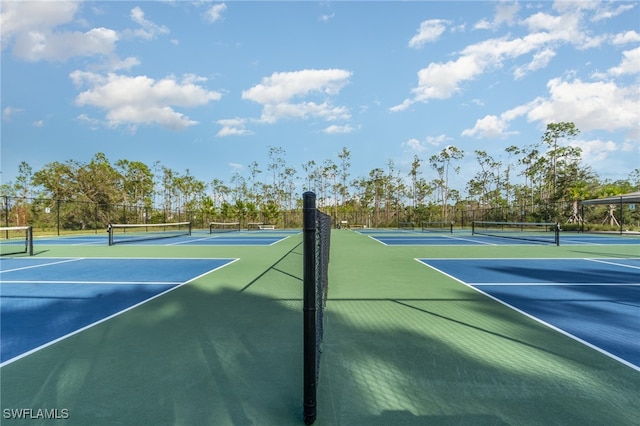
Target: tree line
(545, 179)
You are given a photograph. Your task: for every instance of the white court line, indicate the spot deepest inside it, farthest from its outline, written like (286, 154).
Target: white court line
(190, 241)
(375, 239)
(231, 244)
(555, 284)
(576, 242)
(472, 241)
(613, 263)
(88, 243)
(42, 264)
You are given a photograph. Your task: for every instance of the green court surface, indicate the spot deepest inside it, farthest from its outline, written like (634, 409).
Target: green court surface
(403, 345)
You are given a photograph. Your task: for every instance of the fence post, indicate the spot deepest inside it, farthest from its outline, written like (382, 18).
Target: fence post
(58, 216)
(6, 212)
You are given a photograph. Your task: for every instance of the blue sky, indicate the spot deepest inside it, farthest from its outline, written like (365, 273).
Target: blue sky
(209, 86)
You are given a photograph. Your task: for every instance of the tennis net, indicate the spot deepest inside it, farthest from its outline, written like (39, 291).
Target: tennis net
(219, 227)
(316, 248)
(437, 226)
(406, 226)
(126, 233)
(16, 240)
(542, 232)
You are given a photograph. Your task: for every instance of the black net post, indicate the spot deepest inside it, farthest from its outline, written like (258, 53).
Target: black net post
(30, 241)
(110, 232)
(309, 305)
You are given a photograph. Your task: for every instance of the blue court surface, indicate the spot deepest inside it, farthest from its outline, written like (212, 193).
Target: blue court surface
(45, 299)
(416, 238)
(196, 239)
(595, 301)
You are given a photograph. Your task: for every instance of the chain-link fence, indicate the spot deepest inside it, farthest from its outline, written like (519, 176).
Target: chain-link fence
(571, 216)
(58, 217)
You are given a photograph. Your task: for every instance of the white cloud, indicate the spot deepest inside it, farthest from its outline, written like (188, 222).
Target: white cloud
(139, 100)
(630, 63)
(492, 126)
(605, 11)
(327, 17)
(18, 18)
(214, 13)
(61, 46)
(403, 106)
(441, 81)
(233, 127)
(277, 94)
(272, 113)
(437, 140)
(570, 6)
(30, 28)
(282, 86)
(34, 30)
(429, 31)
(546, 33)
(591, 106)
(417, 146)
(148, 30)
(506, 12)
(627, 37)
(594, 151)
(335, 129)
(540, 60)
(9, 112)
(93, 123)
(482, 24)
(414, 145)
(116, 64)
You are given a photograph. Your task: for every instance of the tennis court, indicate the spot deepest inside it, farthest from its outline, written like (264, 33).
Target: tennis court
(392, 237)
(47, 299)
(416, 332)
(198, 238)
(564, 294)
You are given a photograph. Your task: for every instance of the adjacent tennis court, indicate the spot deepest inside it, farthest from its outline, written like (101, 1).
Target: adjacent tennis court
(252, 238)
(466, 238)
(46, 299)
(565, 294)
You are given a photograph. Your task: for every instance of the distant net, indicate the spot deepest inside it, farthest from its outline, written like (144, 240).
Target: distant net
(407, 226)
(221, 227)
(16, 240)
(437, 226)
(316, 248)
(540, 232)
(127, 233)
